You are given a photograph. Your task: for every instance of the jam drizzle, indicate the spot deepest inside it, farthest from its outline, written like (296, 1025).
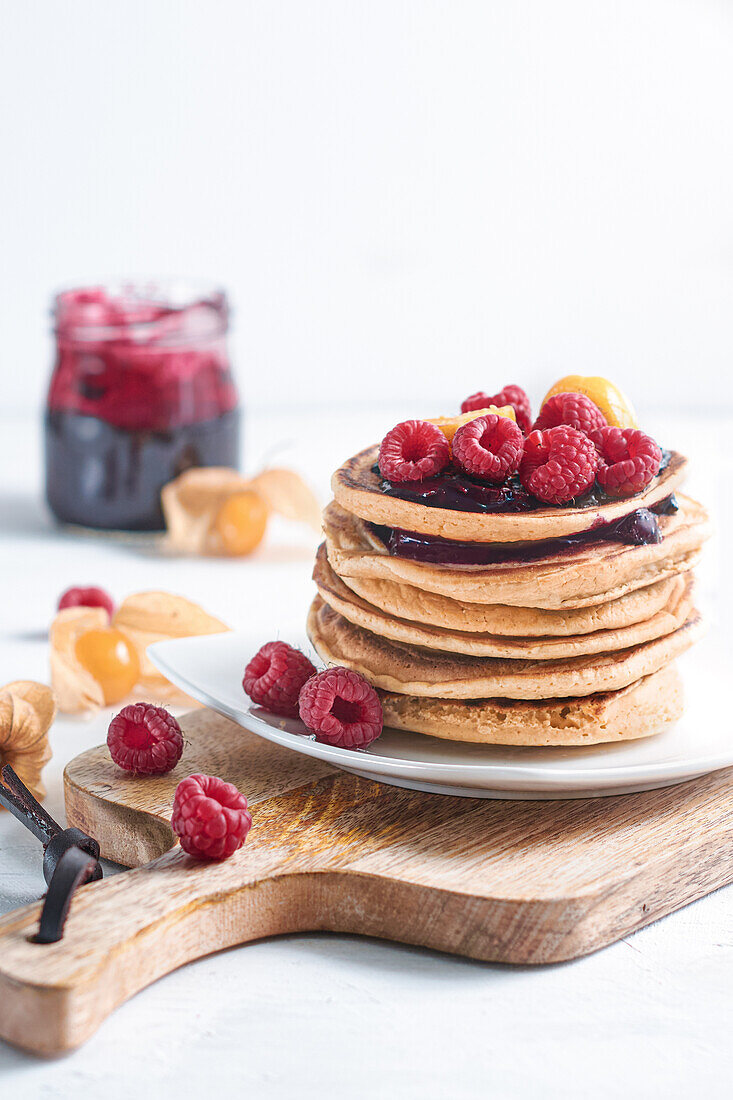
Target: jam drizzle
(639, 528)
(457, 491)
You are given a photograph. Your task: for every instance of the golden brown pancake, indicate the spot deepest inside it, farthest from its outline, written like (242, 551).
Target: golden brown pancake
(357, 611)
(356, 488)
(580, 577)
(643, 708)
(403, 601)
(409, 670)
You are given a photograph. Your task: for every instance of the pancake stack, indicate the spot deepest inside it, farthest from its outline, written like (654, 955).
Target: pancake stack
(565, 633)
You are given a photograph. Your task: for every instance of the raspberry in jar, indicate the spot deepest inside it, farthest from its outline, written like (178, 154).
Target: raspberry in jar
(141, 390)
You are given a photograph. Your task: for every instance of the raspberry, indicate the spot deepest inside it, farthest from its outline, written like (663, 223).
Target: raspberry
(510, 395)
(87, 597)
(210, 817)
(342, 708)
(574, 409)
(412, 451)
(628, 460)
(558, 464)
(489, 447)
(274, 677)
(145, 739)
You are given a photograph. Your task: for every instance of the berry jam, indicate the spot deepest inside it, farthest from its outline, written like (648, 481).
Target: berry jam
(640, 528)
(459, 492)
(141, 391)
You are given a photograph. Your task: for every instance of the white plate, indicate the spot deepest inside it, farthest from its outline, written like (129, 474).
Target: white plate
(210, 669)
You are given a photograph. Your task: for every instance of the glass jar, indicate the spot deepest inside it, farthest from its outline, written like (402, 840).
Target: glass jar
(141, 390)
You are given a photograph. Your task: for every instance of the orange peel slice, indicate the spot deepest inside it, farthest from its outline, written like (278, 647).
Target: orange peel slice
(449, 425)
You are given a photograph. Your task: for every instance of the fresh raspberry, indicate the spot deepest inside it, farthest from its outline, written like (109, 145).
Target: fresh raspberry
(412, 451)
(145, 739)
(210, 817)
(342, 708)
(574, 409)
(274, 677)
(558, 464)
(510, 395)
(489, 447)
(87, 597)
(628, 460)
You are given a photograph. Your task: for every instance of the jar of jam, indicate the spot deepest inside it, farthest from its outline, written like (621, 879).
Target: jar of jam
(141, 390)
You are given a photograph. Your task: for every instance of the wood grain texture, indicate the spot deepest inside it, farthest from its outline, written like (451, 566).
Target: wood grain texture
(520, 882)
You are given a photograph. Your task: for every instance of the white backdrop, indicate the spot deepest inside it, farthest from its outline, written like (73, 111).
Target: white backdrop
(405, 199)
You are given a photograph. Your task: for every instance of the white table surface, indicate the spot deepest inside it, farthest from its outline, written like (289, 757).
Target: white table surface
(314, 1015)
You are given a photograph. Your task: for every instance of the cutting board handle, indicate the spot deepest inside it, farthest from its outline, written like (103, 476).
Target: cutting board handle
(125, 932)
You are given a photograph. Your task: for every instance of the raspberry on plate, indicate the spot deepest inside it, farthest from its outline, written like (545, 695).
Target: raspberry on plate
(87, 597)
(509, 395)
(574, 409)
(489, 447)
(274, 677)
(145, 739)
(341, 708)
(558, 464)
(412, 451)
(628, 460)
(210, 817)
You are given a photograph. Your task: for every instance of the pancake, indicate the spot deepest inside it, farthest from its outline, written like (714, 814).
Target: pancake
(580, 577)
(403, 601)
(355, 486)
(409, 670)
(357, 611)
(643, 708)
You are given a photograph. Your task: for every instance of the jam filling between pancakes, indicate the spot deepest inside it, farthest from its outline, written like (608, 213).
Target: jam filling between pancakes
(639, 528)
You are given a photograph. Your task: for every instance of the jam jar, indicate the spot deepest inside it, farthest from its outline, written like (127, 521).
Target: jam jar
(141, 390)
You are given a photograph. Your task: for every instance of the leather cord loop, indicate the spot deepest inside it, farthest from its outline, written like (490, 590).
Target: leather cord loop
(70, 857)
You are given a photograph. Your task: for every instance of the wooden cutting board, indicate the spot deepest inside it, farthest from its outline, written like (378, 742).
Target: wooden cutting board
(512, 882)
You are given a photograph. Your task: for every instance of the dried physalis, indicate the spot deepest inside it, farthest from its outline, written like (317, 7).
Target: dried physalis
(149, 617)
(27, 710)
(215, 510)
(74, 686)
(286, 494)
(95, 662)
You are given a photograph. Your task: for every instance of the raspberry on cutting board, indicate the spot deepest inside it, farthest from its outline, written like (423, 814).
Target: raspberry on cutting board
(210, 817)
(145, 739)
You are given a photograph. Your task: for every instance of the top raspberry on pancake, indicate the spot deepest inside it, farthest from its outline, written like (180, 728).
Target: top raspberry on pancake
(509, 395)
(489, 447)
(558, 464)
(412, 451)
(628, 460)
(574, 409)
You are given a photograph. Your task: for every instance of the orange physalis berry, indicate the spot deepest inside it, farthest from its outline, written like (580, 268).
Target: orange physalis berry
(111, 659)
(241, 523)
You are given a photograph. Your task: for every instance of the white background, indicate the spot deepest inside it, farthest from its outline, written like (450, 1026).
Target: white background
(407, 202)
(404, 199)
